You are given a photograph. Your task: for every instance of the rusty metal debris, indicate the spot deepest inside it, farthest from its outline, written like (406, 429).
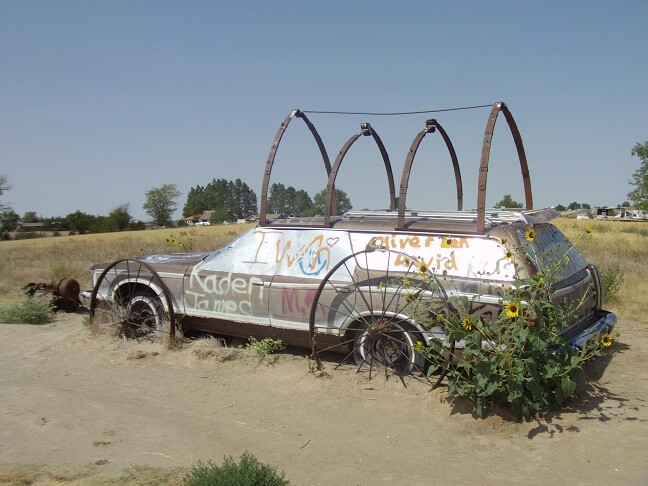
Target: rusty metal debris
(63, 296)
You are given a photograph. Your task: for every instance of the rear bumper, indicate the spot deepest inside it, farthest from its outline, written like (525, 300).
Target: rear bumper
(591, 334)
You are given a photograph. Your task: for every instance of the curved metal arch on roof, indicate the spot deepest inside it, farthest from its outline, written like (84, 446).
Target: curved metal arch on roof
(263, 219)
(485, 155)
(367, 130)
(430, 127)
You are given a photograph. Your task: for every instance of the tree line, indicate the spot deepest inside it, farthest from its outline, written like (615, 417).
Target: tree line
(227, 201)
(232, 200)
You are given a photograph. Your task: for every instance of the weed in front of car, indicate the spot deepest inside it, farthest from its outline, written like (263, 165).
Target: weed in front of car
(265, 346)
(247, 471)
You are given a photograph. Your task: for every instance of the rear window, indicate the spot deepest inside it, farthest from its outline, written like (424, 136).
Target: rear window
(552, 252)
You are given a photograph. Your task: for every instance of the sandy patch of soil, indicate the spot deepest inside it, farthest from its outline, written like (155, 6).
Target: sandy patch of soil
(67, 396)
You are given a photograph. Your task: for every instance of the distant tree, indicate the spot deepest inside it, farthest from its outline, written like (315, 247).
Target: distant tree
(243, 200)
(118, 219)
(560, 207)
(80, 222)
(585, 206)
(4, 187)
(288, 200)
(508, 202)
(30, 217)
(228, 200)
(639, 195)
(196, 202)
(160, 203)
(343, 202)
(573, 206)
(8, 220)
(624, 204)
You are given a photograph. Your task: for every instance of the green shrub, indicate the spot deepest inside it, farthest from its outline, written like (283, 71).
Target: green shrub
(518, 356)
(248, 472)
(28, 311)
(611, 279)
(265, 346)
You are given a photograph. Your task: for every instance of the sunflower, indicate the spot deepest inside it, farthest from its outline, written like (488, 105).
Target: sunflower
(446, 242)
(418, 347)
(423, 268)
(588, 230)
(503, 241)
(606, 340)
(529, 234)
(508, 255)
(409, 298)
(512, 309)
(466, 324)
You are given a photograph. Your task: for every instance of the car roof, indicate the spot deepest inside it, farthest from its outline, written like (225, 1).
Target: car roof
(424, 221)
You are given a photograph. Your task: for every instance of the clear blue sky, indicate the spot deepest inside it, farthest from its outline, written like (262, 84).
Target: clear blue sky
(102, 100)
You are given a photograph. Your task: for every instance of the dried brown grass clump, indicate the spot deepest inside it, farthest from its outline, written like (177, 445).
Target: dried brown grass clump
(214, 348)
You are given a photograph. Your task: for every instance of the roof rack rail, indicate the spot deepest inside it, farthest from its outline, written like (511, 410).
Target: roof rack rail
(492, 216)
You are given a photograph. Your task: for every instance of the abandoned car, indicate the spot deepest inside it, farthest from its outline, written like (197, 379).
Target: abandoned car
(346, 282)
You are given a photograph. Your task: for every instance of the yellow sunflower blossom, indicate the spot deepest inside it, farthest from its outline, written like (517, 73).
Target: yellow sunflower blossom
(446, 242)
(512, 309)
(508, 255)
(503, 241)
(409, 298)
(423, 268)
(418, 347)
(606, 340)
(529, 234)
(589, 230)
(466, 324)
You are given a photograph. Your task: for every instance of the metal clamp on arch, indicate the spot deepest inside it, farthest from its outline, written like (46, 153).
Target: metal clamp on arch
(431, 126)
(330, 208)
(485, 155)
(263, 219)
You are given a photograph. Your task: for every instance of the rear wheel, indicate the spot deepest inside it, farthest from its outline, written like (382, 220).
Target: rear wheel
(366, 304)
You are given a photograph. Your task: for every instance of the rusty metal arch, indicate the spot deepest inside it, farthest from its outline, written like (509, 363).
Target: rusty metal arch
(263, 219)
(483, 167)
(367, 130)
(430, 127)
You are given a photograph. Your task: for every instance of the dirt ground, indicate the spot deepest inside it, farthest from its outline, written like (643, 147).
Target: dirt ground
(67, 396)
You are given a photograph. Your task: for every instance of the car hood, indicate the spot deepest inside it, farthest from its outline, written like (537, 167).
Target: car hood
(183, 259)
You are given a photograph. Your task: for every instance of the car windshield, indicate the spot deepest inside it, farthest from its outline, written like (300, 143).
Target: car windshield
(552, 252)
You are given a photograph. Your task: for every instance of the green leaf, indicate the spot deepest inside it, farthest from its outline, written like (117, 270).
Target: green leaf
(567, 386)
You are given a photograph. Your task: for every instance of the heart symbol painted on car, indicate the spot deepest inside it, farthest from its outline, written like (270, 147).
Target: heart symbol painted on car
(332, 241)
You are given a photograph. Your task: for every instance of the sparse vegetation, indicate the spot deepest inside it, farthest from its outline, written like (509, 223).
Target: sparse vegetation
(26, 311)
(247, 472)
(265, 346)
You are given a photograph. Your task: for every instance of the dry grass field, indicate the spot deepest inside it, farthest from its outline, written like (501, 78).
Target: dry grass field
(620, 249)
(79, 408)
(51, 259)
